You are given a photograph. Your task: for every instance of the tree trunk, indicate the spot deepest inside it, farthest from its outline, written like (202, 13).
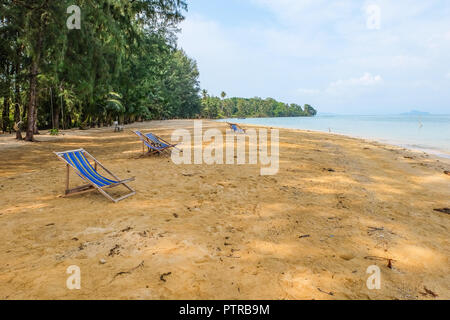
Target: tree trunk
(56, 120)
(5, 115)
(55, 112)
(17, 102)
(35, 128)
(32, 101)
(32, 107)
(17, 121)
(6, 102)
(62, 112)
(17, 113)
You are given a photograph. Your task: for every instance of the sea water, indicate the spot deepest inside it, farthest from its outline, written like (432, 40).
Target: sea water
(428, 133)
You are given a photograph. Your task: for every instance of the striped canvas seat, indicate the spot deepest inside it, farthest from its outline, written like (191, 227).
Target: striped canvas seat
(149, 143)
(78, 160)
(157, 141)
(153, 146)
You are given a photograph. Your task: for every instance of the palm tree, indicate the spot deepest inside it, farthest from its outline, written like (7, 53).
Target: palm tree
(222, 107)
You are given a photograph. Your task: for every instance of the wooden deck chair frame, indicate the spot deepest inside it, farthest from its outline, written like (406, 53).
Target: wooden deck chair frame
(92, 186)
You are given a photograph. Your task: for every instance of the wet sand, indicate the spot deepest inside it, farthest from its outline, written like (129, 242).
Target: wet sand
(337, 206)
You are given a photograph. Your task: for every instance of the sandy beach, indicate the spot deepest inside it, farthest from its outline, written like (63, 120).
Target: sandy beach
(337, 206)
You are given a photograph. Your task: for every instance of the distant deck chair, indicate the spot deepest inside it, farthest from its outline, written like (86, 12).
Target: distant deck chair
(117, 127)
(154, 143)
(76, 159)
(236, 128)
(160, 141)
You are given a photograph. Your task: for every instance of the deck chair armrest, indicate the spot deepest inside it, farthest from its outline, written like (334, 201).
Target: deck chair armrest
(126, 180)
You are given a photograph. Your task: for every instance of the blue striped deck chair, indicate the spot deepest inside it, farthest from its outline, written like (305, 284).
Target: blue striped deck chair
(236, 128)
(153, 144)
(158, 141)
(77, 160)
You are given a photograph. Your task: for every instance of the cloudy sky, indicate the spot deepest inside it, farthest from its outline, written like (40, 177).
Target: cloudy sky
(341, 56)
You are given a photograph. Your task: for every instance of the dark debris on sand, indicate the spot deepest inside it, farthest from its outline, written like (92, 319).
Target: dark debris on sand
(443, 210)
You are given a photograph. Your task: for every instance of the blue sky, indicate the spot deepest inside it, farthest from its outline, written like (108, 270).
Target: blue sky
(341, 56)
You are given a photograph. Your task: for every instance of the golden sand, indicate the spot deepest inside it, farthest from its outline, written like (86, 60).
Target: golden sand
(225, 231)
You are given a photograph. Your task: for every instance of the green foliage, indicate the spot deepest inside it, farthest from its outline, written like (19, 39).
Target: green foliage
(214, 107)
(54, 132)
(122, 64)
(310, 111)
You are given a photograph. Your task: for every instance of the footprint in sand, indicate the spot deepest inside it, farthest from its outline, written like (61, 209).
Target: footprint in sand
(347, 256)
(343, 202)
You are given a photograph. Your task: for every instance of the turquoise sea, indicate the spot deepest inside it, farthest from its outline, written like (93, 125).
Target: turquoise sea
(428, 133)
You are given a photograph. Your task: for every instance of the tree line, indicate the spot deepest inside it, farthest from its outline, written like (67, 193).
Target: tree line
(122, 64)
(221, 107)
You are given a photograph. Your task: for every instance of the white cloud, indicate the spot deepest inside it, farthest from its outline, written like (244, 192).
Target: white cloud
(205, 38)
(345, 89)
(366, 80)
(289, 43)
(301, 50)
(351, 89)
(220, 57)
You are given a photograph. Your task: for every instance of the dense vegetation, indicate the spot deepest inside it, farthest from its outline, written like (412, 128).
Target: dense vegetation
(122, 64)
(215, 107)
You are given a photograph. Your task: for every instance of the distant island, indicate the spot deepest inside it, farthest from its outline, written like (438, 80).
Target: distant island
(415, 113)
(222, 107)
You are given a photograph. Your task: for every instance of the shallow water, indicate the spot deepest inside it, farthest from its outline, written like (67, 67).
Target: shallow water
(429, 133)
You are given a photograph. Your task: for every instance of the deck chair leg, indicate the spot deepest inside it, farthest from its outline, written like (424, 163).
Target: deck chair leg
(128, 187)
(124, 197)
(106, 194)
(67, 178)
(117, 199)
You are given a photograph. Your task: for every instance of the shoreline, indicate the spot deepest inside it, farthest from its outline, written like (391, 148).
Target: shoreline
(9, 141)
(46, 137)
(435, 153)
